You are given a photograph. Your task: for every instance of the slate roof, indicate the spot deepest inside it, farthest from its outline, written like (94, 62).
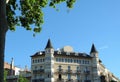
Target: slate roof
(66, 54)
(49, 45)
(93, 49)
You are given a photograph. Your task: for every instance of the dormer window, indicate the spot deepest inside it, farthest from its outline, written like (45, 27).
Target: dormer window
(67, 53)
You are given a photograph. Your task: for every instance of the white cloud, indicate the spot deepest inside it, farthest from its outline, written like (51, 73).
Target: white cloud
(103, 47)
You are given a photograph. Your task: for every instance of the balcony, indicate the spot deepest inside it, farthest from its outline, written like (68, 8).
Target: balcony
(87, 81)
(60, 70)
(77, 80)
(87, 72)
(38, 80)
(38, 71)
(68, 71)
(78, 71)
(59, 80)
(69, 80)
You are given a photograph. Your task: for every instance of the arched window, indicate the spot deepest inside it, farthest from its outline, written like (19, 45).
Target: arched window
(59, 76)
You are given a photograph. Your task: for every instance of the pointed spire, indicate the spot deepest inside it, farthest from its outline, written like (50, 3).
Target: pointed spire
(93, 49)
(49, 45)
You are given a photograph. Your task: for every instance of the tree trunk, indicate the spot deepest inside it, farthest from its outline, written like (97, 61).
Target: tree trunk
(3, 30)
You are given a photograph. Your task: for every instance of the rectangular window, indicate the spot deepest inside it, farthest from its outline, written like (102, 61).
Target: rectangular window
(62, 60)
(41, 67)
(43, 59)
(78, 77)
(79, 61)
(69, 76)
(40, 60)
(74, 60)
(83, 61)
(59, 59)
(56, 59)
(69, 67)
(65, 60)
(88, 62)
(59, 67)
(78, 68)
(71, 60)
(33, 61)
(36, 61)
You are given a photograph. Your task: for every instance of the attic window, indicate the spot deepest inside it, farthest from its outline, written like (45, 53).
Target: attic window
(76, 54)
(67, 53)
(58, 52)
(40, 53)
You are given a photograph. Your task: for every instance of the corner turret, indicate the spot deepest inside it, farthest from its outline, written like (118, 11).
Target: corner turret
(49, 45)
(93, 52)
(49, 62)
(95, 62)
(93, 49)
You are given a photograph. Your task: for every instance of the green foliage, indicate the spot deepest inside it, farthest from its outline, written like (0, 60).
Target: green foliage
(5, 75)
(22, 79)
(12, 19)
(30, 13)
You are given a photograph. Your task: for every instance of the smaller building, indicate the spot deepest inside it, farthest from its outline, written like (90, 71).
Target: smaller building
(11, 69)
(15, 72)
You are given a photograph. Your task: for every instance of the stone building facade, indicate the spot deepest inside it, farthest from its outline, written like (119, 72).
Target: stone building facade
(65, 65)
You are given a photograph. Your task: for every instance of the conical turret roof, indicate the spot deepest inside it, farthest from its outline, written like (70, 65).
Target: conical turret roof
(93, 49)
(49, 45)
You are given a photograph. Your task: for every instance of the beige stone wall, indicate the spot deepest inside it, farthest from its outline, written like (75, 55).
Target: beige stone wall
(64, 66)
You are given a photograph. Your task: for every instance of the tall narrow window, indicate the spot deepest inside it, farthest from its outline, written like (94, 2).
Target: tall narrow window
(86, 69)
(41, 67)
(59, 67)
(56, 59)
(65, 60)
(35, 67)
(78, 77)
(77, 68)
(62, 59)
(74, 60)
(79, 61)
(59, 76)
(83, 61)
(69, 76)
(68, 67)
(48, 75)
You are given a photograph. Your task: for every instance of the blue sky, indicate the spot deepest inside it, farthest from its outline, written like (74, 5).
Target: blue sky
(90, 21)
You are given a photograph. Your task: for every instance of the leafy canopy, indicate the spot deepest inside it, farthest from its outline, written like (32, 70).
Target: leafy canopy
(22, 79)
(30, 12)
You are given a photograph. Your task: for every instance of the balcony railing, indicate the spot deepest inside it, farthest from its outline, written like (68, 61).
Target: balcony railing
(59, 80)
(69, 80)
(78, 71)
(68, 71)
(60, 70)
(87, 81)
(38, 80)
(87, 72)
(38, 71)
(77, 80)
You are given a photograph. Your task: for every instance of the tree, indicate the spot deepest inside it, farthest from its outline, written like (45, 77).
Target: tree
(22, 79)
(5, 75)
(30, 14)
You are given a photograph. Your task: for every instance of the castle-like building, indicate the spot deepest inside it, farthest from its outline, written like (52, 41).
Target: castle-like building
(65, 65)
